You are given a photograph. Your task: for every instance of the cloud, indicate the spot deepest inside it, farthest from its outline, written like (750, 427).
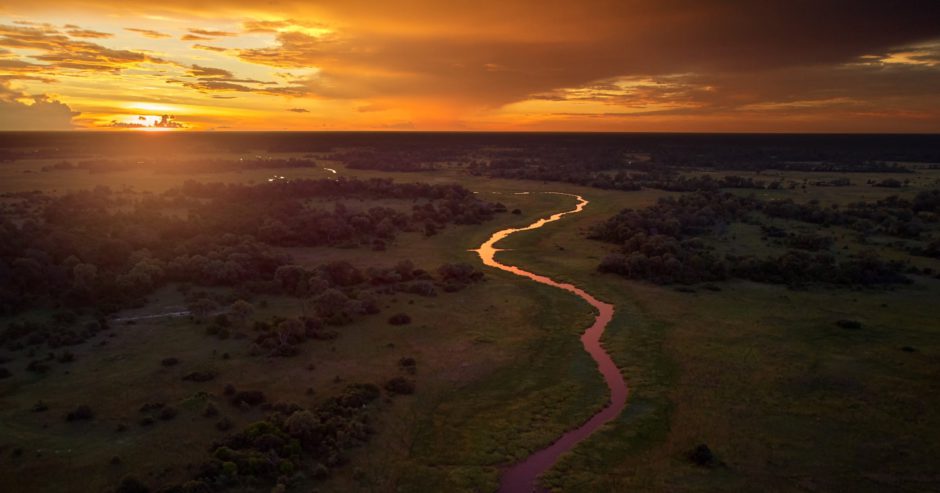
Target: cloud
(457, 61)
(210, 48)
(210, 85)
(211, 79)
(58, 51)
(299, 110)
(162, 121)
(200, 71)
(77, 32)
(210, 33)
(193, 37)
(148, 33)
(41, 113)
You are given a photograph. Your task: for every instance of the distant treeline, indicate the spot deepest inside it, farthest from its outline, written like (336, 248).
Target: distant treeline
(629, 168)
(180, 166)
(701, 148)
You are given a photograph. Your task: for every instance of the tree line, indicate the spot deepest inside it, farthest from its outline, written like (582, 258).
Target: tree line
(665, 243)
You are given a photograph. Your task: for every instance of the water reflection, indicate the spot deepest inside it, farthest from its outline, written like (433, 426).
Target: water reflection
(522, 477)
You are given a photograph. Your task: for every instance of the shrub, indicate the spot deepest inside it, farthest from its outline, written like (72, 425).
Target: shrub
(210, 410)
(132, 485)
(703, 456)
(4, 373)
(169, 361)
(400, 385)
(168, 413)
(249, 397)
(200, 376)
(849, 324)
(80, 413)
(224, 424)
(151, 406)
(408, 364)
(399, 319)
(37, 366)
(323, 334)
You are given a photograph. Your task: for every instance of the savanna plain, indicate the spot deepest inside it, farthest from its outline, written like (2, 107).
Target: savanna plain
(306, 312)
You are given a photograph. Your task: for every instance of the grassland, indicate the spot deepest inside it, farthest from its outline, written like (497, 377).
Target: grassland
(787, 400)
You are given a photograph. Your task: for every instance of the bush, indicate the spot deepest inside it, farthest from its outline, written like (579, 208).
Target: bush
(400, 385)
(151, 406)
(4, 373)
(408, 364)
(703, 456)
(132, 485)
(80, 413)
(399, 319)
(849, 324)
(210, 410)
(249, 397)
(200, 376)
(169, 361)
(39, 367)
(224, 424)
(168, 413)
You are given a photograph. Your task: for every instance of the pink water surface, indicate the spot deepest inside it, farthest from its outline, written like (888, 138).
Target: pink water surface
(522, 477)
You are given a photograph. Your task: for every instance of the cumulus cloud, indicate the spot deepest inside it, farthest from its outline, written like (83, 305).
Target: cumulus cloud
(39, 113)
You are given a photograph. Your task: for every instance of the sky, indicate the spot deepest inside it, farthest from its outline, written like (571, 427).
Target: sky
(586, 65)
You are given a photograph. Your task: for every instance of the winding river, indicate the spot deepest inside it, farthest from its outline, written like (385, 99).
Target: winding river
(522, 477)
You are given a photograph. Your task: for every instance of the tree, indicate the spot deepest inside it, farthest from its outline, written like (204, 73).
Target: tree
(84, 276)
(241, 311)
(290, 278)
(202, 308)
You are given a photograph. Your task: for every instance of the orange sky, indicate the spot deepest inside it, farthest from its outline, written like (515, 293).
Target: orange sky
(630, 65)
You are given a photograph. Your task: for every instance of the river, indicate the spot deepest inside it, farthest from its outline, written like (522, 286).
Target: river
(522, 477)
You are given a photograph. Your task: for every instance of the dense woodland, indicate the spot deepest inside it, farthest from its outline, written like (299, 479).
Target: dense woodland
(84, 255)
(107, 249)
(665, 242)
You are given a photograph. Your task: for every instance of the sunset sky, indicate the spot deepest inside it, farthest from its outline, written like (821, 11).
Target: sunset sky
(631, 65)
